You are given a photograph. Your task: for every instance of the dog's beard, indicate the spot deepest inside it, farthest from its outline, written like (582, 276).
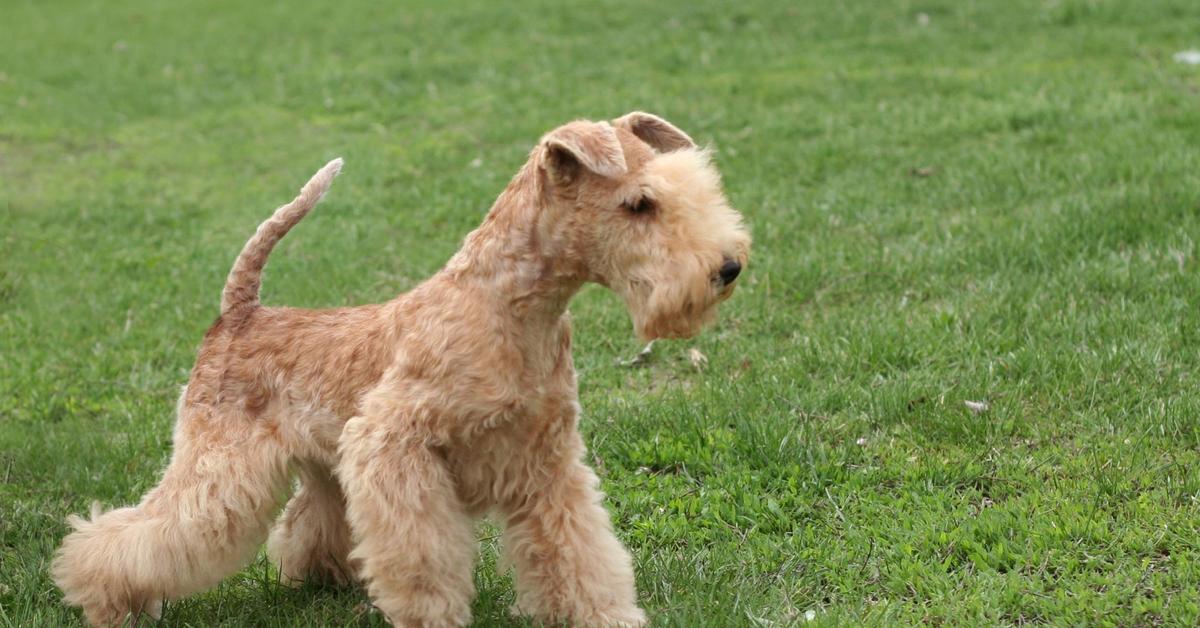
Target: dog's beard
(676, 308)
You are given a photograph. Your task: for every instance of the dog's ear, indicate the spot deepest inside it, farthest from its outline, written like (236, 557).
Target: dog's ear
(653, 130)
(583, 146)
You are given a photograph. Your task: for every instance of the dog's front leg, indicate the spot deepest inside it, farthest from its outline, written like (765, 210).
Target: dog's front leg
(570, 566)
(413, 539)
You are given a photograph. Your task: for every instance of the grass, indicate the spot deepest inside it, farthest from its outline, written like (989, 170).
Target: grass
(996, 202)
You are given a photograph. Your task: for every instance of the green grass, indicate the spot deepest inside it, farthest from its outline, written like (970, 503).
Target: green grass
(1000, 205)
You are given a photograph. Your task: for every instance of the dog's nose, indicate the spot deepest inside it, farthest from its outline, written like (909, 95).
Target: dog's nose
(729, 271)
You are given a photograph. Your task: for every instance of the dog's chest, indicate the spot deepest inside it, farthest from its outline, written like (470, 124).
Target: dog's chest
(503, 459)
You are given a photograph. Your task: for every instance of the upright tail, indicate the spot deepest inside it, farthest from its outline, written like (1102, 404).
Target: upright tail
(245, 278)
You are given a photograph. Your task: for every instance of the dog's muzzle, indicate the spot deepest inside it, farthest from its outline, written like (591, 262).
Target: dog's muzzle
(729, 271)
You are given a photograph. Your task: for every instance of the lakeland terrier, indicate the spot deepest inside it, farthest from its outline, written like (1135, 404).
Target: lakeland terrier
(405, 421)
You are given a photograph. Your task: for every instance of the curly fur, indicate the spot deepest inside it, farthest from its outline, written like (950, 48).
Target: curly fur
(406, 421)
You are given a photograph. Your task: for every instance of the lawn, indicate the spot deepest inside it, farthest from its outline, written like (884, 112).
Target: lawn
(952, 202)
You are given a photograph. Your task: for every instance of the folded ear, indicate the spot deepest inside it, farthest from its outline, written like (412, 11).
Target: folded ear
(583, 145)
(653, 130)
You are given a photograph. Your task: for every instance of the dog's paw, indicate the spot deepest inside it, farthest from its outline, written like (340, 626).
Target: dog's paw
(625, 618)
(632, 617)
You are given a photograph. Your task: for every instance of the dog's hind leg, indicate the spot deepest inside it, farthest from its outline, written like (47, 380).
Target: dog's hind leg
(311, 539)
(203, 521)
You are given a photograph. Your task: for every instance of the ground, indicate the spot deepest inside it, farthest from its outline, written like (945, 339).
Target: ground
(952, 202)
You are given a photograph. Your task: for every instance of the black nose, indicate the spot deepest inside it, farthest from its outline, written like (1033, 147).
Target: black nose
(729, 271)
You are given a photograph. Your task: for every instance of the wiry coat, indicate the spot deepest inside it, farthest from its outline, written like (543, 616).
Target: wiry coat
(405, 421)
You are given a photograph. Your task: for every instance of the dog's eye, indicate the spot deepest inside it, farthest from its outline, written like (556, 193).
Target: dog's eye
(643, 205)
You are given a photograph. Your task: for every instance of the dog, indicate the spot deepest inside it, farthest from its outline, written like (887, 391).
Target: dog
(406, 421)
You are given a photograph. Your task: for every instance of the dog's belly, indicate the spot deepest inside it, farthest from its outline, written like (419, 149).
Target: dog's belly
(311, 431)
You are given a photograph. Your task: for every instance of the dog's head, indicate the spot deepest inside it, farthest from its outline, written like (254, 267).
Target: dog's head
(642, 207)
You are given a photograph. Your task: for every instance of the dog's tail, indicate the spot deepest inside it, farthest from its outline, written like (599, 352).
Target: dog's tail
(245, 278)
